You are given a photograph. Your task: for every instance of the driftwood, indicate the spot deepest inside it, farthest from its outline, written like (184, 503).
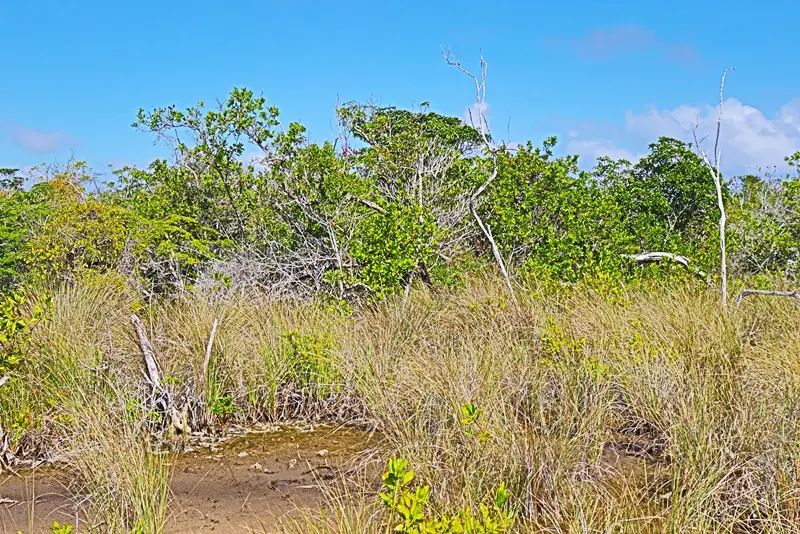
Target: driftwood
(658, 257)
(162, 399)
(765, 292)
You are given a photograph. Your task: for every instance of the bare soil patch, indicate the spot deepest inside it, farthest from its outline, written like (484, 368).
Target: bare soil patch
(242, 484)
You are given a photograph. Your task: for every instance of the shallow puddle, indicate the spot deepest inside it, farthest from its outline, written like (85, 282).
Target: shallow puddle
(242, 484)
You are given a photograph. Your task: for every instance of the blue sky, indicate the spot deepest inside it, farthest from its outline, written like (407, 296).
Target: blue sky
(606, 77)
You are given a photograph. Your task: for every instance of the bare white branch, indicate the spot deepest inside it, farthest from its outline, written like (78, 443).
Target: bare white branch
(658, 257)
(717, 177)
(480, 96)
(209, 347)
(153, 374)
(765, 292)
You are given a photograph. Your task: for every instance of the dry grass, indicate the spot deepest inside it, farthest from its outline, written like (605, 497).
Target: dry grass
(92, 412)
(648, 414)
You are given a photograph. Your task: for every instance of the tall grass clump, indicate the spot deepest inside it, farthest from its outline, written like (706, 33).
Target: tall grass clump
(644, 412)
(97, 415)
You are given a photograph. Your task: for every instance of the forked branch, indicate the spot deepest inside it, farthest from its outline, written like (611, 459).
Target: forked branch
(483, 126)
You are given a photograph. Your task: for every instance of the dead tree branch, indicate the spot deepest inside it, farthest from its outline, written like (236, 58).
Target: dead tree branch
(717, 176)
(765, 292)
(161, 398)
(480, 99)
(658, 257)
(6, 455)
(153, 375)
(367, 203)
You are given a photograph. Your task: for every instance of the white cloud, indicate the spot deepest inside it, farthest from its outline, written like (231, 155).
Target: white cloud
(38, 141)
(749, 140)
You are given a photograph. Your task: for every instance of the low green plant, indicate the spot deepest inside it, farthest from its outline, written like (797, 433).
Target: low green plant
(56, 528)
(470, 418)
(222, 406)
(16, 324)
(310, 360)
(407, 513)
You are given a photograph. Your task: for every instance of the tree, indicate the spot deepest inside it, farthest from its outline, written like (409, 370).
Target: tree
(10, 181)
(667, 197)
(764, 227)
(414, 181)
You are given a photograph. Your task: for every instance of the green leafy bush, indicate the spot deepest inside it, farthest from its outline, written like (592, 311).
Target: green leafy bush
(407, 508)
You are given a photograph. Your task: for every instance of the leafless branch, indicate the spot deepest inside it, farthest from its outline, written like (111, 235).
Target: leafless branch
(209, 347)
(658, 257)
(368, 203)
(153, 374)
(161, 397)
(717, 176)
(480, 96)
(765, 292)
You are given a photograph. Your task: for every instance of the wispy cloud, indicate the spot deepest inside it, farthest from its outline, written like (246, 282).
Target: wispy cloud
(472, 115)
(749, 139)
(39, 141)
(609, 42)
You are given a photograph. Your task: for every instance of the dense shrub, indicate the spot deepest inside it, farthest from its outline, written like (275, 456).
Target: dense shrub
(384, 205)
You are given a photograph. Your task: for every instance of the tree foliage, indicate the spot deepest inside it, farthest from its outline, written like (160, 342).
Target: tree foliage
(245, 200)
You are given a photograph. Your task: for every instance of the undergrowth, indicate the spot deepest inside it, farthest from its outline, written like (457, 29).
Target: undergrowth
(642, 411)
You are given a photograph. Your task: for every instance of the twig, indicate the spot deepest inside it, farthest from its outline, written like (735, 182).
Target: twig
(765, 292)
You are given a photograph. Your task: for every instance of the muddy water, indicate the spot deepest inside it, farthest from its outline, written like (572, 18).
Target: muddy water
(243, 484)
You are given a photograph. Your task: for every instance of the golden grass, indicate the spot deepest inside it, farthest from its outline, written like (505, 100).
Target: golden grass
(648, 413)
